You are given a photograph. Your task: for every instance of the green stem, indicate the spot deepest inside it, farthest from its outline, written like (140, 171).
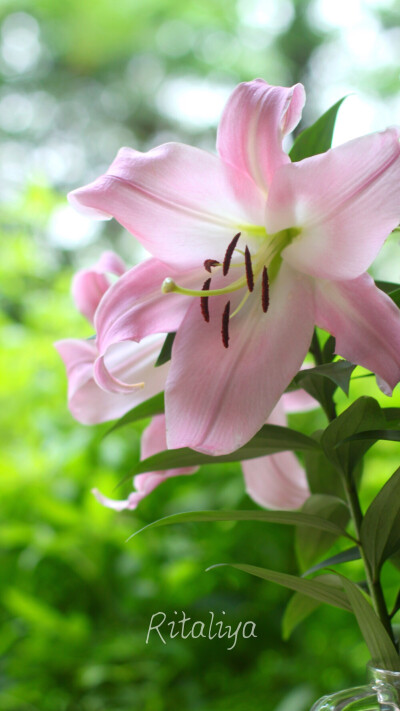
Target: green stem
(374, 586)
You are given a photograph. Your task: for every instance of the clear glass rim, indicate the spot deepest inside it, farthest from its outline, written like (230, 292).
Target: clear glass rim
(374, 669)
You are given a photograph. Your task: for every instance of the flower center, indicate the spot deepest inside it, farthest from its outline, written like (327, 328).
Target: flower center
(263, 265)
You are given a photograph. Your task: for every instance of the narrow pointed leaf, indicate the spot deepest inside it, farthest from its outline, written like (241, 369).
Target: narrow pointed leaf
(390, 288)
(346, 556)
(339, 372)
(291, 518)
(364, 414)
(322, 475)
(382, 650)
(311, 545)
(149, 408)
(301, 606)
(318, 137)
(373, 435)
(313, 588)
(269, 440)
(298, 609)
(392, 414)
(380, 530)
(165, 353)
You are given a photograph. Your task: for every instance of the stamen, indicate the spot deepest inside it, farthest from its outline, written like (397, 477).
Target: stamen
(228, 254)
(265, 290)
(211, 263)
(249, 269)
(204, 301)
(225, 325)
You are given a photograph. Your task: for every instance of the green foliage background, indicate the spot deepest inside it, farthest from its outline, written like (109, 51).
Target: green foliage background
(75, 598)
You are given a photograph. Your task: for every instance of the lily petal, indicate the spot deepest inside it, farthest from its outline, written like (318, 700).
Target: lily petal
(365, 323)
(89, 285)
(134, 306)
(130, 362)
(276, 481)
(298, 401)
(153, 441)
(253, 124)
(345, 202)
(180, 202)
(209, 388)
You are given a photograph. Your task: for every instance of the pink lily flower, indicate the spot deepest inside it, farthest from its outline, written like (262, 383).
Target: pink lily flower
(276, 481)
(285, 245)
(94, 396)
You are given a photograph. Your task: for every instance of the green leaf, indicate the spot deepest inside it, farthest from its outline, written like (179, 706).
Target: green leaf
(380, 530)
(392, 414)
(322, 381)
(322, 475)
(395, 296)
(390, 288)
(346, 556)
(165, 353)
(316, 138)
(374, 435)
(382, 649)
(291, 518)
(153, 406)
(387, 286)
(301, 606)
(269, 440)
(310, 545)
(313, 588)
(339, 372)
(362, 415)
(298, 609)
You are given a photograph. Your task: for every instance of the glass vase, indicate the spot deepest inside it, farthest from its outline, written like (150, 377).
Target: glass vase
(381, 694)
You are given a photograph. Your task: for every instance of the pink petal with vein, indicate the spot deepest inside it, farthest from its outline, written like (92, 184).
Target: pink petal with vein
(217, 398)
(365, 323)
(276, 481)
(180, 202)
(130, 362)
(153, 441)
(255, 120)
(134, 306)
(345, 201)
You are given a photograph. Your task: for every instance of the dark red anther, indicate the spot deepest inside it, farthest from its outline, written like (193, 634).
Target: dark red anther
(211, 263)
(204, 301)
(225, 325)
(249, 269)
(265, 290)
(228, 254)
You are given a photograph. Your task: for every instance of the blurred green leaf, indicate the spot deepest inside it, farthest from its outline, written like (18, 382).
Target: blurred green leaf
(380, 529)
(269, 440)
(310, 545)
(322, 476)
(149, 408)
(313, 588)
(382, 650)
(362, 415)
(165, 353)
(298, 609)
(316, 138)
(291, 518)
(346, 556)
